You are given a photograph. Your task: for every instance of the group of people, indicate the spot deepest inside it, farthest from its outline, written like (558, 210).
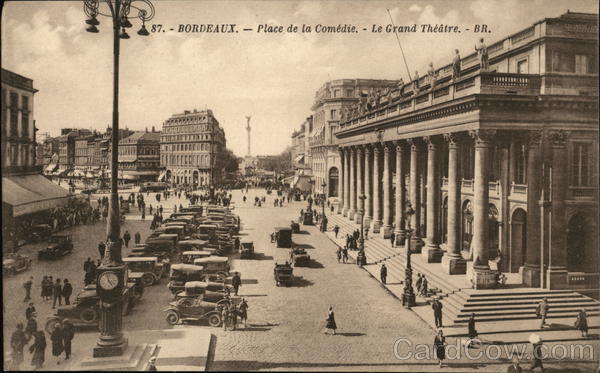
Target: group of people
(51, 289)
(229, 315)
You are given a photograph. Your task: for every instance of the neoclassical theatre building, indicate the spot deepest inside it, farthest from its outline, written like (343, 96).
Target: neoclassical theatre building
(498, 162)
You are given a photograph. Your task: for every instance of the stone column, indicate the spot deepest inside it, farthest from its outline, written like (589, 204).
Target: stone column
(414, 195)
(352, 185)
(556, 276)
(359, 185)
(376, 191)
(400, 197)
(531, 270)
(432, 252)
(482, 277)
(340, 207)
(368, 193)
(346, 181)
(452, 262)
(387, 192)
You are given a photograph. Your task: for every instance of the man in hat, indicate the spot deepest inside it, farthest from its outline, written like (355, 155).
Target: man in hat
(542, 311)
(152, 364)
(383, 273)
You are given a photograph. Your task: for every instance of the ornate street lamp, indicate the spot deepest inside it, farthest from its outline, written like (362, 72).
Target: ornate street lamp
(408, 296)
(361, 257)
(323, 217)
(112, 273)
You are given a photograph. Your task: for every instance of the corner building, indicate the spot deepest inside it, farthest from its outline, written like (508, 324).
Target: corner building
(191, 149)
(496, 163)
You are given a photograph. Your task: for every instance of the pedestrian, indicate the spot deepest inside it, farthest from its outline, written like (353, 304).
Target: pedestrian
(424, 286)
(27, 285)
(18, 340)
(233, 316)
(514, 367)
(236, 282)
(366, 232)
(330, 322)
(536, 343)
(31, 326)
(345, 255)
(67, 290)
(236, 244)
(418, 283)
(56, 293)
(144, 213)
(38, 349)
(336, 230)
(243, 308)
(126, 238)
(57, 342)
(101, 249)
(439, 344)
(225, 317)
(437, 306)
(393, 239)
(581, 323)
(339, 254)
(150, 209)
(29, 311)
(68, 333)
(44, 286)
(383, 273)
(152, 364)
(137, 238)
(542, 311)
(471, 330)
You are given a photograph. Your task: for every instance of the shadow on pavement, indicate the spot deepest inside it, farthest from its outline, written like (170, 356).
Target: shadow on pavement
(260, 256)
(302, 232)
(351, 334)
(301, 282)
(303, 246)
(249, 281)
(315, 264)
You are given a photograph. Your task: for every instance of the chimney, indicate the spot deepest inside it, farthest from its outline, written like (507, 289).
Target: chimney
(153, 129)
(147, 130)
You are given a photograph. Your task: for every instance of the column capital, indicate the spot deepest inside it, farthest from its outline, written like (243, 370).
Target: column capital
(558, 138)
(482, 137)
(432, 142)
(414, 143)
(387, 147)
(534, 137)
(367, 148)
(352, 150)
(359, 149)
(376, 149)
(400, 145)
(454, 139)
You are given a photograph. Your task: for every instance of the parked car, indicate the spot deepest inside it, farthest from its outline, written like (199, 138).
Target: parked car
(188, 257)
(193, 309)
(150, 268)
(15, 263)
(246, 249)
(283, 274)
(299, 257)
(182, 273)
(40, 232)
(214, 264)
(59, 245)
(283, 236)
(209, 291)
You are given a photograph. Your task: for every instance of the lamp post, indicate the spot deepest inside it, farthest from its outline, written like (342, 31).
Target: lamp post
(408, 296)
(323, 217)
(112, 273)
(361, 257)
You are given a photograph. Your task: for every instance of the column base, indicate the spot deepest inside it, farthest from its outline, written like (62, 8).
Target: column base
(345, 212)
(557, 278)
(416, 244)
(454, 265)
(482, 278)
(376, 226)
(111, 350)
(367, 221)
(340, 209)
(400, 237)
(351, 214)
(358, 218)
(387, 231)
(531, 276)
(432, 253)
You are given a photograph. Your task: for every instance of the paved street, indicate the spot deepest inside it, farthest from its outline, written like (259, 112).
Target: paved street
(286, 324)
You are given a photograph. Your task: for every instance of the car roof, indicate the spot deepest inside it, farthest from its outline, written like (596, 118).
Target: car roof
(141, 259)
(247, 242)
(186, 267)
(283, 228)
(193, 242)
(196, 252)
(213, 259)
(196, 284)
(167, 235)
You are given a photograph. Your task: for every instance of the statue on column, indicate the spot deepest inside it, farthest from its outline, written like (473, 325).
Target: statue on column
(432, 75)
(416, 83)
(482, 52)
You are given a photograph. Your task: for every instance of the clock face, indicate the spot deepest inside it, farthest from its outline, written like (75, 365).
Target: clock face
(108, 280)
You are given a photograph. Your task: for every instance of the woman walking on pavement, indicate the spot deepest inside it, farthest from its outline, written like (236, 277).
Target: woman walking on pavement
(440, 346)
(331, 325)
(581, 323)
(57, 342)
(38, 349)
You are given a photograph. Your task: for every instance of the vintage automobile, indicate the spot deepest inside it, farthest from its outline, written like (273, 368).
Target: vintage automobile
(214, 265)
(85, 311)
(182, 273)
(59, 245)
(162, 237)
(150, 267)
(187, 228)
(40, 232)
(177, 230)
(307, 218)
(246, 249)
(211, 291)
(15, 263)
(283, 236)
(158, 248)
(193, 309)
(189, 245)
(188, 257)
(295, 227)
(299, 257)
(283, 274)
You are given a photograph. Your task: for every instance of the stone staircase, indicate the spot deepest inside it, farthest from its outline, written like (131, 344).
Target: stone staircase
(460, 300)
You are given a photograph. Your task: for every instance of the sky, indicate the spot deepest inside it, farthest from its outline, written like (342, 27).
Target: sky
(271, 76)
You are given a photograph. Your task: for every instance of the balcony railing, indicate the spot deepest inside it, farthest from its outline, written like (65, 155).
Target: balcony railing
(582, 192)
(468, 184)
(583, 280)
(518, 188)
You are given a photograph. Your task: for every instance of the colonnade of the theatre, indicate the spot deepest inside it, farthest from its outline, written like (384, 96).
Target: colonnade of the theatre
(367, 169)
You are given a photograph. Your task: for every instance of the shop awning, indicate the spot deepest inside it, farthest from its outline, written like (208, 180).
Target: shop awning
(31, 193)
(51, 167)
(162, 175)
(299, 158)
(90, 175)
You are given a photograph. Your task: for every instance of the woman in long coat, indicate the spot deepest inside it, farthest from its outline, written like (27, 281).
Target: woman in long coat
(472, 330)
(57, 342)
(38, 349)
(331, 325)
(439, 343)
(581, 323)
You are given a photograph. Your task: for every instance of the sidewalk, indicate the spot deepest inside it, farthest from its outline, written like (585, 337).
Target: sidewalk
(378, 249)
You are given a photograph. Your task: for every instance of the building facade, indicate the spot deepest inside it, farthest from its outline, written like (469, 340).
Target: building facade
(139, 156)
(192, 145)
(330, 101)
(498, 161)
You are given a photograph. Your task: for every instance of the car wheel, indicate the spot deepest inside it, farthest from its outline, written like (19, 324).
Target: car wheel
(51, 324)
(88, 315)
(148, 279)
(214, 320)
(172, 318)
